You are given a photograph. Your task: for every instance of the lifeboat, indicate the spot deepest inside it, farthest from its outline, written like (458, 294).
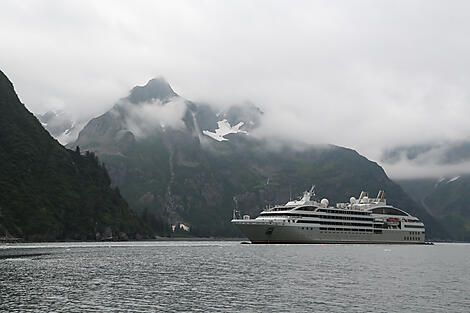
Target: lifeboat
(393, 221)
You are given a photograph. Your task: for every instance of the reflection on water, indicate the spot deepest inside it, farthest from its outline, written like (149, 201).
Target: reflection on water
(231, 277)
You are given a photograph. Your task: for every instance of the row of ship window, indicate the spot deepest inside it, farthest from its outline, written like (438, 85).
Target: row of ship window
(413, 226)
(353, 218)
(363, 230)
(335, 223)
(346, 218)
(346, 224)
(388, 211)
(415, 233)
(343, 212)
(412, 238)
(383, 210)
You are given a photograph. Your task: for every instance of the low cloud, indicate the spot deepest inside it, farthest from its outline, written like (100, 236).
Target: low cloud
(432, 160)
(406, 169)
(146, 118)
(368, 75)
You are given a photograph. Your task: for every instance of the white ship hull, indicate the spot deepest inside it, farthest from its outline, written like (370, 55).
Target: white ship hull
(280, 232)
(361, 221)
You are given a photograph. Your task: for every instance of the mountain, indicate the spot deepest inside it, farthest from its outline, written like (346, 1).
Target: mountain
(447, 199)
(48, 192)
(60, 126)
(190, 164)
(56, 123)
(155, 89)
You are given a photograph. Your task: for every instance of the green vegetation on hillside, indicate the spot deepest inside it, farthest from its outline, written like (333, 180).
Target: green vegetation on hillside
(50, 193)
(447, 200)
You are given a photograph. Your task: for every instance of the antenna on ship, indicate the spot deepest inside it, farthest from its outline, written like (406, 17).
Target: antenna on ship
(236, 213)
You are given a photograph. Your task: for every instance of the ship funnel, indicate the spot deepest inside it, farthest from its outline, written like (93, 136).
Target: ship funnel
(381, 195)
(362, 195)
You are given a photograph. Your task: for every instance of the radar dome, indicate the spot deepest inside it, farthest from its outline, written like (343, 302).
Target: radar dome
(365, 199)
(352, 200)
(324, 203)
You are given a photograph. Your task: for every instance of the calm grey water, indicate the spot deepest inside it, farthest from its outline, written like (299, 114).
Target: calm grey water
(233, 277)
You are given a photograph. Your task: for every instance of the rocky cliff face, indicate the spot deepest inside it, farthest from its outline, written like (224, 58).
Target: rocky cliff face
(50, 193)
(187, 163)
(447, 199)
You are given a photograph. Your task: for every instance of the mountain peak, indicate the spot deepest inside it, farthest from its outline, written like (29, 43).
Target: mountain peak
(156, 88)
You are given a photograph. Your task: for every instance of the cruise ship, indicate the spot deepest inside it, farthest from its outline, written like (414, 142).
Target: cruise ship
(362, 220)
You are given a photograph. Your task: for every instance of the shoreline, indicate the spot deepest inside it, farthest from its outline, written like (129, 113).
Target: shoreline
(10, 241)
(156, 239)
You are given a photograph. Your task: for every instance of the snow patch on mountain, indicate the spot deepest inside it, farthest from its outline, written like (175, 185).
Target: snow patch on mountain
(445, 180)
(71, 134)
(61, 126)
(224, 129)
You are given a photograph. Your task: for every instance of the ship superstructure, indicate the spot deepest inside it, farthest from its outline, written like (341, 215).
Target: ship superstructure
(362, 220)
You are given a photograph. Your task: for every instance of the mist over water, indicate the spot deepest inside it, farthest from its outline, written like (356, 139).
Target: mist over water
(231, 277)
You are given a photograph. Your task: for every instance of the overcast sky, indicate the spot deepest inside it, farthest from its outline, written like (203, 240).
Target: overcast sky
(368, 75)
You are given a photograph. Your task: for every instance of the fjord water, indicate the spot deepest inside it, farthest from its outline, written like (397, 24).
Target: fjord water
(209, 276)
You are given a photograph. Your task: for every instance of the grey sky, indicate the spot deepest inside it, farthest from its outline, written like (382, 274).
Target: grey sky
(362, 74)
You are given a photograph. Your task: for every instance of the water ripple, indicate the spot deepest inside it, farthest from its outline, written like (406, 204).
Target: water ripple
(230, 277)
